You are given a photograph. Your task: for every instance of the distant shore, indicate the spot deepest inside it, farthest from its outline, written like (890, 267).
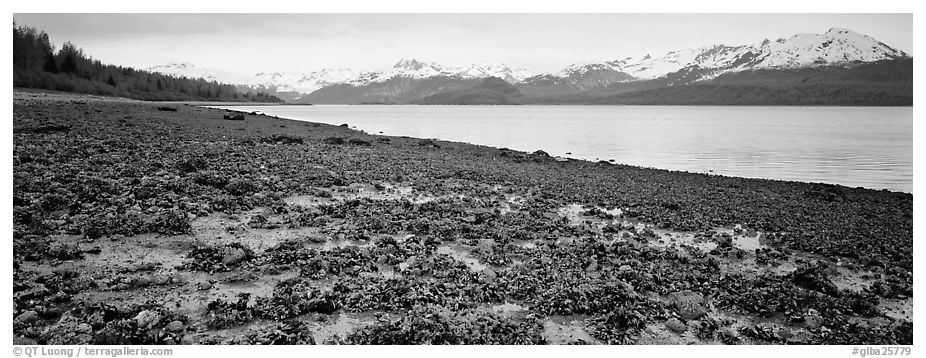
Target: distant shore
(408, 227)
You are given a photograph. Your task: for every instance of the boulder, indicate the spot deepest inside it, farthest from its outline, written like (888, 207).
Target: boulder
(234, 256)
(334, 140)
(28, 317)
(233, 116)
(688, 304)
(175, 326)
(489, 275)
(147, 319)
(541, 153)
(359, 142)
(676, 325)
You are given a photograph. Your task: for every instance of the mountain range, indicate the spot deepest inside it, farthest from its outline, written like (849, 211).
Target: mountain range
(837, 67)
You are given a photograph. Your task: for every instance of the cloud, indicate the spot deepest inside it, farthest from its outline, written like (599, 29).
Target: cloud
(542, 42)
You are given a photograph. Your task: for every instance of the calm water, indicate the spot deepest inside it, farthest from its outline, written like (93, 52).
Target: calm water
(854, 146)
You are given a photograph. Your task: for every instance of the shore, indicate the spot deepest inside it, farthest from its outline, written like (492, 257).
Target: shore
(140, 225)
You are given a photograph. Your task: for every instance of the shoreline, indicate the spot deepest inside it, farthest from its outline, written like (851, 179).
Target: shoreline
(569, 156)
(401, 228)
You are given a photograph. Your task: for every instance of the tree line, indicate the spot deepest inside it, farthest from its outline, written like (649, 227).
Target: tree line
(36, 64)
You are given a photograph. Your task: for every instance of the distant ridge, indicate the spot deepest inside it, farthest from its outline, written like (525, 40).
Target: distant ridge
(414, 81)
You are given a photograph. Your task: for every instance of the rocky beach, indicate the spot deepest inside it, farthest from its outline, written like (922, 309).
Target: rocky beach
(169, 223)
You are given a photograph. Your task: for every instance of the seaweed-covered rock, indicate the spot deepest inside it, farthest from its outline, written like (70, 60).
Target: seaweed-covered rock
(815, 277)
(620, 326)
(190, 165)
(294, 297)
(240, 186)
(171, 222)
(223, 313)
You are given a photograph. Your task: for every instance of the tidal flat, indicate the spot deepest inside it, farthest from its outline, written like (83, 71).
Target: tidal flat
(148, 223)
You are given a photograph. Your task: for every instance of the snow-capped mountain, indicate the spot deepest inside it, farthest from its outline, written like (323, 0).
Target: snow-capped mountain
(308, 82)
(412, 68)
(311, 81)
(834, 47)
(511, 75)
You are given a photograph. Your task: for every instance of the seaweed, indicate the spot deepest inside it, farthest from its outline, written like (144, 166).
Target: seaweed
(815, 277)
(290, 332)
(437, 325)
(223, 313)
(294, 297)
(214, 259)
(622, 325)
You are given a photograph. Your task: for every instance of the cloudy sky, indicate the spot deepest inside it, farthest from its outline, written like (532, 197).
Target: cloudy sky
(249, 43)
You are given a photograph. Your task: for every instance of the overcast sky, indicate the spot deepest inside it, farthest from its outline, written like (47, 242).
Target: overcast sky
(249, 43)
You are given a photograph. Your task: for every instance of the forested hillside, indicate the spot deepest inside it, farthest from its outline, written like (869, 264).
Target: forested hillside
(36, 64)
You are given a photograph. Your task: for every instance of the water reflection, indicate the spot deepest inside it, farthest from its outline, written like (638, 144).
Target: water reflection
(854, 146)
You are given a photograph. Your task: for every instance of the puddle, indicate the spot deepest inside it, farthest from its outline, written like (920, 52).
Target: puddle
(334, 244)
(566, 331)
(748, 243)
(308, 201)
(524, 244)
(509, 309)
(852, 280)
(657, 333)
(749, 265)
(340, 325)
(195, 301)
(221, 229)
(666, 239)
(897, 309)
(463, 255)
(573, 212)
